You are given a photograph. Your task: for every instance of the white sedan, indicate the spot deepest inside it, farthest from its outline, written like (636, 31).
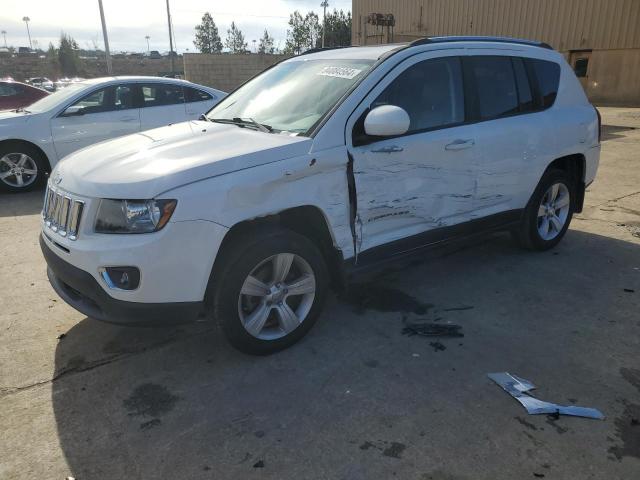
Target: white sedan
(33, 139)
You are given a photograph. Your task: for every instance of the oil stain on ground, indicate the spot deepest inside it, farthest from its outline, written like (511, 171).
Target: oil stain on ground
(150, 400)
(384, 299)
(627, 425)
(388, 449)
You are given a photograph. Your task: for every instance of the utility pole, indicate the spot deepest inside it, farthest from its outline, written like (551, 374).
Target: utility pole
(106, 40)
(148, 37)
(324, 5)
(170, 40)
(4, 34)
(27, 20)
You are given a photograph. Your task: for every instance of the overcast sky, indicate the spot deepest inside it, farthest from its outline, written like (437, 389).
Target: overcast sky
(129, 21)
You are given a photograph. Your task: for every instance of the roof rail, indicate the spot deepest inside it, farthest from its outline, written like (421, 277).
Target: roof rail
(322, 49)
(430, 40)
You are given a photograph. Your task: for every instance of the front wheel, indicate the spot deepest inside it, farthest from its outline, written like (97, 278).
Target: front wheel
(548, 213)
(270, 291)
(22, 168)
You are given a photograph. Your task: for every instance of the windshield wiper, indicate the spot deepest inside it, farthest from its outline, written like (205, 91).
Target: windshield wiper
(244, 122)
(21, 109)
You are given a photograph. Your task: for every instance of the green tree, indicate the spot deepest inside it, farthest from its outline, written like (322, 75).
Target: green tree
(304, 32)
(266, 44)
(338, 29)
(68, 55)
(235, 40)
(207, 37)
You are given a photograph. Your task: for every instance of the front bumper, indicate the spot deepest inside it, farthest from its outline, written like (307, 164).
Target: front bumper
(81, 290)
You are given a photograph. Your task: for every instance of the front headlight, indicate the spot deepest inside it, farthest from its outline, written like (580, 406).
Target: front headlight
(133, 216)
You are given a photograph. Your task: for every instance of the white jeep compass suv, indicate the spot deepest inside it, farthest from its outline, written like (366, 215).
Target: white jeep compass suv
(324, 164)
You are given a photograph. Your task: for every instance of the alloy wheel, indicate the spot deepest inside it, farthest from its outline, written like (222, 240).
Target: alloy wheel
(276, 296)
(18, 170)
(553, 211)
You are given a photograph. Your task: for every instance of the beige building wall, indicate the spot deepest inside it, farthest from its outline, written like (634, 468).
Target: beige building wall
(610, 28)
(225, 72)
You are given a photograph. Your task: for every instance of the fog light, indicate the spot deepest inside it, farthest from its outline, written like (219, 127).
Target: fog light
(121, 278)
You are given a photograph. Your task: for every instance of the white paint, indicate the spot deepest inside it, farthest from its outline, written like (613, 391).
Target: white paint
(222, 175)
(386, 120)
(59, 136)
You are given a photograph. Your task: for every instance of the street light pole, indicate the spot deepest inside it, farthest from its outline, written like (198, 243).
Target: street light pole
(27, 20)
(148, 37)
(4, 34)
(324, 4)
(170, 40)
(106, 40)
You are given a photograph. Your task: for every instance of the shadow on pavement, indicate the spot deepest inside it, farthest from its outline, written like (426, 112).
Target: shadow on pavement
(17, 204)
(357, 399)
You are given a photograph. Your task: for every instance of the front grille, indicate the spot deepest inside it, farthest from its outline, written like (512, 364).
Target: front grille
(62, 213)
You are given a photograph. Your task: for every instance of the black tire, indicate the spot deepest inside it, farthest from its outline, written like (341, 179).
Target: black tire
(238, 261)
(41, 164)
(527, 235)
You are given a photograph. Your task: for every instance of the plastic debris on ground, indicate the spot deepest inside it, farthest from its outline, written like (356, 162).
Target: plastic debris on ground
(518, 388)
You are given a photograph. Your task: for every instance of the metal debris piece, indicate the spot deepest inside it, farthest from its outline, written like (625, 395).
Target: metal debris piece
(518, 388)
(433, 330)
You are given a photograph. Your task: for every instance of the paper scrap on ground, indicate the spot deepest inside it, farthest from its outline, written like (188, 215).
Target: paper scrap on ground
(518, 387)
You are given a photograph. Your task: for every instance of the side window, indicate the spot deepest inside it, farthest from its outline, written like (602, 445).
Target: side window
(123, 97)
(160, 94)
(7, 90)
(495, 82)
(547, 76)
(525, 97)
(430, 91)
(96, 102)
(195, 95)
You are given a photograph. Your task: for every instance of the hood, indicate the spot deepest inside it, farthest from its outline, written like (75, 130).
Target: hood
(146, 164)
(10, 117)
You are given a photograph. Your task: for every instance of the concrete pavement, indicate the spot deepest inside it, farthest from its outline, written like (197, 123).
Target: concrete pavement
(355, 399)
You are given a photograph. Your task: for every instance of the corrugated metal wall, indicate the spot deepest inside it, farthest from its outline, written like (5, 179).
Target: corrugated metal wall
(565, 24)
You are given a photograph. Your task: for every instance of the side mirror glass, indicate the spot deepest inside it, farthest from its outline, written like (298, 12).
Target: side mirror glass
(74, 110)
(386, 121)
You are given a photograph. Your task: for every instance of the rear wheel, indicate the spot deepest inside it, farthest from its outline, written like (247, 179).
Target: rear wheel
(270, 291)
(549, 212)
(22, 168)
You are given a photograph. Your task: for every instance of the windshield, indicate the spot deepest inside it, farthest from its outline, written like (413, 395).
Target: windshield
(56, 98)
(292, 96)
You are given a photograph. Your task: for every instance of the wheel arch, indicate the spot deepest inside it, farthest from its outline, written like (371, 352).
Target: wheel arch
(306, 220)
(18, 141)
(575, 166)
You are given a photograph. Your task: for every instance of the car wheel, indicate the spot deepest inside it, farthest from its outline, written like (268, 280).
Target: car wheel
(22, 168)
(548, 213)
(270, 291)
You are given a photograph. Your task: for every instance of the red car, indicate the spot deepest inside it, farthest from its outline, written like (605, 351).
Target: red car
(16, 94)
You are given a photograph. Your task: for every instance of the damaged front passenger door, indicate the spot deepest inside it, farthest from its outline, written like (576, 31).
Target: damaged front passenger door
(422, 178)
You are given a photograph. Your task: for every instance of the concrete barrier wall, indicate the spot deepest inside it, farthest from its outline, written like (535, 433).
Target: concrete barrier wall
(226, 72)
(21, 68)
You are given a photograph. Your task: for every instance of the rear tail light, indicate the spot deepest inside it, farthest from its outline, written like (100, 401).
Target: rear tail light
(599, 124)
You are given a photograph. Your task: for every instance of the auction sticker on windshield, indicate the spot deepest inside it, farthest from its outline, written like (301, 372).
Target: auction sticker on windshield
(340, 72)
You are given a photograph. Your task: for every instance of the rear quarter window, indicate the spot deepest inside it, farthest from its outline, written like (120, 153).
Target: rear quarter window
(547, 78)
(195, 95)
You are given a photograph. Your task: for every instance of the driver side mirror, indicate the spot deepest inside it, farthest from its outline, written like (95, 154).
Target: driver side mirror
(386, 121)
(73, 110)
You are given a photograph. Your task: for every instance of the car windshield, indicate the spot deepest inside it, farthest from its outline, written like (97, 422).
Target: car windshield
(292, 96)
(56, 98)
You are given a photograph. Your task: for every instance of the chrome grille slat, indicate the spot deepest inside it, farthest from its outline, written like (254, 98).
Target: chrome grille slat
(62, 213)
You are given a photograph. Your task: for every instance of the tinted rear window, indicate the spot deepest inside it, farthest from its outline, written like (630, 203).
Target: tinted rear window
(495, 82)
(547, 75)
(195, 95)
